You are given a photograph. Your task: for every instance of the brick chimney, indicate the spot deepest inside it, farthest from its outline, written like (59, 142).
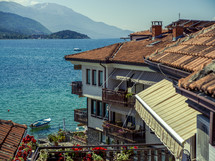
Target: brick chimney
(156, 29)
(177, 31)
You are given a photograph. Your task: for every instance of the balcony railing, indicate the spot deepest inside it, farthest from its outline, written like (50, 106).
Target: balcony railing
(137, 152)
(77, 88)
(121, 97)
(80, 115)
(129, 135)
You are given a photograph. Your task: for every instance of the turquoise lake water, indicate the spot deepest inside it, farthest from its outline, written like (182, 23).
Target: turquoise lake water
(35, 81)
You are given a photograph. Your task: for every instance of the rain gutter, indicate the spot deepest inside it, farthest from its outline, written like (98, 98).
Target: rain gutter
(197, 98)
(173, 72)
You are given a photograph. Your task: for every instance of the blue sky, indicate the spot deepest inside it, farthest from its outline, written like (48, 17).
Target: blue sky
(136, 15)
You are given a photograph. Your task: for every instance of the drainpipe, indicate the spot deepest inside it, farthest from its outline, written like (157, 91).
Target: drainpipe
(104, 73)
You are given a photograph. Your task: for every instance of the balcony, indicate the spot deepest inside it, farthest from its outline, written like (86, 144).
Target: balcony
(80, 115)
(129, 135)
(77, 88)
(138, 152)
(121, 97)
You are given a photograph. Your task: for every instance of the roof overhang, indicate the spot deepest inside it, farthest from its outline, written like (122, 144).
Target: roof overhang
(142, 77)
(170, 71)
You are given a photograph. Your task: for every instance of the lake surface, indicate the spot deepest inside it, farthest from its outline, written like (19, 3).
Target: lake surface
(35, 81)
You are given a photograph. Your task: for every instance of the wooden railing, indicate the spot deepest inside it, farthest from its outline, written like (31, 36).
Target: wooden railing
(121, 97)
(137, 152)
(80, 115)
(124, 134)
(77, 88)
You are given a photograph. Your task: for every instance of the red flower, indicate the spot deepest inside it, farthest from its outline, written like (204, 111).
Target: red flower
(34, 141)
(135, 147)
(19, 154)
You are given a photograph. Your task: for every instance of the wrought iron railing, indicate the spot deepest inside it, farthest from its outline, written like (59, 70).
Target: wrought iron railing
(80, 115)
(125, 134)
(138, 152)
(77, 88)
(121, 97)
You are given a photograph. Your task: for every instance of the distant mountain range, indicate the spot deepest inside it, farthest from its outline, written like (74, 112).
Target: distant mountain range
(56, 18)
(15, 24)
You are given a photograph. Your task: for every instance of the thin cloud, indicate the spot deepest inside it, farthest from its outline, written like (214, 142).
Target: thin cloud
(23, 2)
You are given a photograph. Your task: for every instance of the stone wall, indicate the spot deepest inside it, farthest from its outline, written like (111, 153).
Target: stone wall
(93, 137)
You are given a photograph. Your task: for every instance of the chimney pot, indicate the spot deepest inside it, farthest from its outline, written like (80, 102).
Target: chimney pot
(177, 31)
(156, 28)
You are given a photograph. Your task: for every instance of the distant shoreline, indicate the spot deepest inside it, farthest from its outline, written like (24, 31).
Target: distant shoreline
(65, 34)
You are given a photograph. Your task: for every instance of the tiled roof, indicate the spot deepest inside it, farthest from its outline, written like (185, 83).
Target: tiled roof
(202, 80)
(191, 24)
(99, 54)
(10, 138)
(190, 52)
(127, 52)
(145, 33)
(134, 51)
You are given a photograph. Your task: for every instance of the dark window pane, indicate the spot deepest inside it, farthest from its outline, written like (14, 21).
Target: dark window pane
(100, 108)
(94, 77)
(88, 76)
(93, 107)
(100, 78)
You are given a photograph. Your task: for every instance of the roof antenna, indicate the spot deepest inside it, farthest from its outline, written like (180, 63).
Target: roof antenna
(179, 15)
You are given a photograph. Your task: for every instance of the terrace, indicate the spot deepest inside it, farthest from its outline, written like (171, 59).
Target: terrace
(138, 152)
(121, 97)
(80, 115)
(77, 88)
(129, 134)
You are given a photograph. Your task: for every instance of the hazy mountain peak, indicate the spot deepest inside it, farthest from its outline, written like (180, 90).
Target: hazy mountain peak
(57, 17)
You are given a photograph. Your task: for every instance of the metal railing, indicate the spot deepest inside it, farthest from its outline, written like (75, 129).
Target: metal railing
(121, 97)
(77, 88)
(137, 152)
(80, 115)
(130, 135)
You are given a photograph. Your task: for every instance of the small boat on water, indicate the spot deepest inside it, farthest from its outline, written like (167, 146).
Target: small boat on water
(77, 49)
(41, 123)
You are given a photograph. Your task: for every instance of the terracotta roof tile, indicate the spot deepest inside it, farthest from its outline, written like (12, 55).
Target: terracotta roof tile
(10, 136)
(99, 54)
(202, 80)
(127, 52)
(146, 33)
(189, 53)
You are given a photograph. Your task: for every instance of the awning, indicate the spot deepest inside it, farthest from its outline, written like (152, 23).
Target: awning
(167, 114)
(143, 77)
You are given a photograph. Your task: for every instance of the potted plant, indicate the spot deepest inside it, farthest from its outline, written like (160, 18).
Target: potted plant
(122, 156)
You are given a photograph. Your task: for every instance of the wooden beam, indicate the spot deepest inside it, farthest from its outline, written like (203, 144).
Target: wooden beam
(212, 128)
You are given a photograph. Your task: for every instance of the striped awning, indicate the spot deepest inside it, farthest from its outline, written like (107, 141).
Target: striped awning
(167, 114)
(143, 77)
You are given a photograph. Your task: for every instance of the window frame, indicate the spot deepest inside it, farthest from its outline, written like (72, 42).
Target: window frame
(88, 76)
(93, 111)
(100, 74)
(94, 77)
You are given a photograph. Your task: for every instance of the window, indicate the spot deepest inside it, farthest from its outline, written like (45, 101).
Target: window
(94, 77)
(105, 111)
(100, 109)
(100, 78)
(131, 119)
(88, 76)
(103, 138)
(93, 107)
